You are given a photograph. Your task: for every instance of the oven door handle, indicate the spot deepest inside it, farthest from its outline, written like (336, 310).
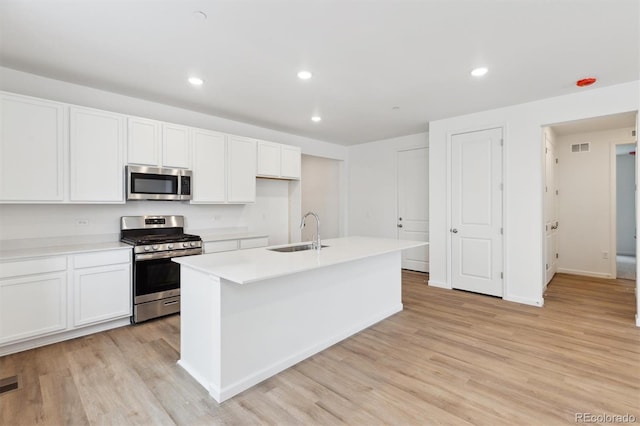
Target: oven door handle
(168, 254)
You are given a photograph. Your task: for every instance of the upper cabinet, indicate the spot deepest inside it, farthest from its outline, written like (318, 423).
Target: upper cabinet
(32, 149)
(291, 162)
(158, 144)
(223, 168)
(96, 148)
(209, 167)
(278, 161)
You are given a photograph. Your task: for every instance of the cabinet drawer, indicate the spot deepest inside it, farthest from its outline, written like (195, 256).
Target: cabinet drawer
(33, 266)
(218, 246)
(101, 258)
(254, 242)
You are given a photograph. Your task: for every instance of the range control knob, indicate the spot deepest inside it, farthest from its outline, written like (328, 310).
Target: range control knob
(169, 246)
(193, 244)
(155, 247)
(185, 244)
(147, 248)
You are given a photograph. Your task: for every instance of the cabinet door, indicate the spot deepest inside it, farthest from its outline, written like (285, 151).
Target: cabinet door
(176, 146)
(209, 167)
(269, 159)
(290, 164)
(144, 141)
(96, 155)
(32, 148)
(32, 306)
(241, 185)
(101, 293)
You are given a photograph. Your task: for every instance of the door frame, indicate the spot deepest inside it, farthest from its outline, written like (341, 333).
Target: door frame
(613, 232)
(449, 188)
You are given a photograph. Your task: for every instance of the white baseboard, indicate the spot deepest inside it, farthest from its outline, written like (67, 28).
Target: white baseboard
(585, 273)
(33, 343)
(532, 302)
(439, 284)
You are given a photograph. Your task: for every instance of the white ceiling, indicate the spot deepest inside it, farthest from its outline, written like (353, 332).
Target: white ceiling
(367, 56)
(596, 124)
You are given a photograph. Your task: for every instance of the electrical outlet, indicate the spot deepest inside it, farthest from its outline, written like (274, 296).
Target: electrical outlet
(605, 254)
(82, 222)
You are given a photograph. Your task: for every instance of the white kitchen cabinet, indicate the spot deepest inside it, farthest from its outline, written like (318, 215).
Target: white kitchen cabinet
(278, 161)
(53, 298)
(290, 162)
(269, 157)
(223, 168)
(241, 172)
(32, 149)
(157, 144)
(33, 298)
(144, 138)
(101, 287)
(176, 146)
(209, 167)
(96, 149)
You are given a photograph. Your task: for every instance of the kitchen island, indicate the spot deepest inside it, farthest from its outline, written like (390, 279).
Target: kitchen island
(247, 315)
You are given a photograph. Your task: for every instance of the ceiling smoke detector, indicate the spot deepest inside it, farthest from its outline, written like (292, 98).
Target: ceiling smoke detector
(586, 82)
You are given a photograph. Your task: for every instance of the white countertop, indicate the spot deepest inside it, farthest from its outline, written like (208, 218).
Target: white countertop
(247, 266)
(213, 235)
(9, 252)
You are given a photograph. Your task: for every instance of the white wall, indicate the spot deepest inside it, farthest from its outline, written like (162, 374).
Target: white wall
(321, 195)
(585, 204)
(523, 180)
(269, 214)
(373, 198)
(626, 208)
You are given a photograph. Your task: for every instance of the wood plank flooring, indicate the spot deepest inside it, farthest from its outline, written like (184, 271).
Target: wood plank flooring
(450, 357)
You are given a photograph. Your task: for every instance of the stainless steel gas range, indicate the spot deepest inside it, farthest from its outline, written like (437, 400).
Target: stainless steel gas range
(156, 279)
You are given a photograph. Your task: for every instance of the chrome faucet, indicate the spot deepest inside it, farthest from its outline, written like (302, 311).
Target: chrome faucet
(316, 244)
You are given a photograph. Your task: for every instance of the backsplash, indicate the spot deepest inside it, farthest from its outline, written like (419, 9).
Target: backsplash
(269, 215)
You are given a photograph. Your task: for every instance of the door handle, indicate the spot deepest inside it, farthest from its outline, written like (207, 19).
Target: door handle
(454, 230)
(399, 225)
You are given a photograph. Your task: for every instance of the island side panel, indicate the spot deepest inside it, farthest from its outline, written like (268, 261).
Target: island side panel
(200, 327)
(271, 325)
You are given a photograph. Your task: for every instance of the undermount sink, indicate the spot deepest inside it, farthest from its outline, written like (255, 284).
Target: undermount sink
(299, 247)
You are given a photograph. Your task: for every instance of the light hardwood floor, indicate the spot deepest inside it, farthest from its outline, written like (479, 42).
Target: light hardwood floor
(450, 357)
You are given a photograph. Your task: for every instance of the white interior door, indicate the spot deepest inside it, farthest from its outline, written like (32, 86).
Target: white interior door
(550, 210)
(476, 211)
(413, 206)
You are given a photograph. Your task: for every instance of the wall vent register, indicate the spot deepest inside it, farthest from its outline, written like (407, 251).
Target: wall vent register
(580, 147)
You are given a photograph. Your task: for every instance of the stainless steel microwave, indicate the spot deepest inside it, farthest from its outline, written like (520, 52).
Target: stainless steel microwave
(155, 183)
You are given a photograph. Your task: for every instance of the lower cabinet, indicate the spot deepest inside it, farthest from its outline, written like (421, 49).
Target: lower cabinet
(101, 286)
(231, 245)
(49, 299)
(32, 306)
(101, 293)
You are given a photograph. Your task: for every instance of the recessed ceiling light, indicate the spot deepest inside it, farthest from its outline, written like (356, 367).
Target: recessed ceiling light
(304, 75)
(196, 81)
(395, 107)
(479, 72)
(316, 118)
